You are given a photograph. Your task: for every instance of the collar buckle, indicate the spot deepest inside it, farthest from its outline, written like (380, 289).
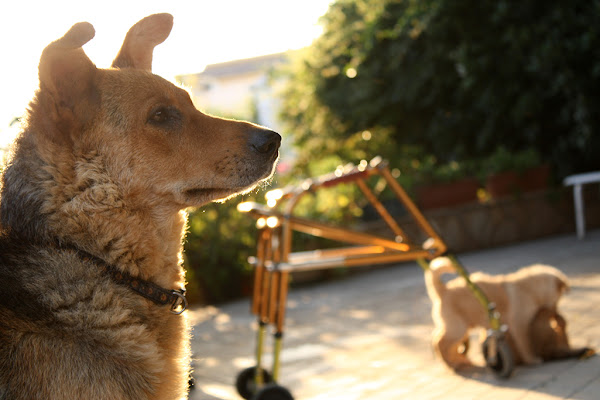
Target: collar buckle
(180, 303)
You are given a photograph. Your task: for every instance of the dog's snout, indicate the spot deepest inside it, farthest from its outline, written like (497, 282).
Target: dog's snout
(265, 142)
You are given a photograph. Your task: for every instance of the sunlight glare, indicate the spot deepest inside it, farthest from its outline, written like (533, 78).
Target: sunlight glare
(272, 222)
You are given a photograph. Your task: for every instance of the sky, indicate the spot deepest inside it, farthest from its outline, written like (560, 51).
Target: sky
(204, 32)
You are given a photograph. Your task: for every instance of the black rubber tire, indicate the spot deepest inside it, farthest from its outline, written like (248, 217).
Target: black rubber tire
(273, 392)
(504, 364)
(245, 385)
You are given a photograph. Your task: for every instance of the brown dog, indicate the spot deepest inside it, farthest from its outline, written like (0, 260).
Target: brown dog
(518, 297)
(92, 222)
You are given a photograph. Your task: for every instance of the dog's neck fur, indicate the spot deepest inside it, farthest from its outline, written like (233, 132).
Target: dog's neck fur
(83, 204)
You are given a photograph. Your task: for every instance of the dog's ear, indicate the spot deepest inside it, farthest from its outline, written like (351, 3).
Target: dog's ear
(140, 41)
(67, 90)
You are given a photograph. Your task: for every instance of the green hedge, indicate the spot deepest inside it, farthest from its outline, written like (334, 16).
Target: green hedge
(456, 78)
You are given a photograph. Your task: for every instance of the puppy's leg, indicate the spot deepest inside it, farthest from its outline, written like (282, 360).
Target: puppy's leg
(548, 337)
(522, 309)
(519, 334)
(561, 354)
(448, 345)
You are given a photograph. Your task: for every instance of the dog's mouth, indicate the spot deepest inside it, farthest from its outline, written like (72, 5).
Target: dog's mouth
(201, 193)
(204, 192)
(200, 196)
(193, 195)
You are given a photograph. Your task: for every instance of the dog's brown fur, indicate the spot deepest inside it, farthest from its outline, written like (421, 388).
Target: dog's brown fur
(518, 297)
(548, 337)
(108, 161)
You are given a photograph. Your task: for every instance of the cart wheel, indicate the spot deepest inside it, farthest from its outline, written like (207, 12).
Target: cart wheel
(245, 384)
(503, 363)
(273, 392)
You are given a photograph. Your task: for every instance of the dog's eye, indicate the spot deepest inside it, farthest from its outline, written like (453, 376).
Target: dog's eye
(160, 116)
(165, 116)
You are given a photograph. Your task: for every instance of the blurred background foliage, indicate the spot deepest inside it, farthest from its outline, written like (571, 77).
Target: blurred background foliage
(441, 89)
(217, 247)
(457, 79)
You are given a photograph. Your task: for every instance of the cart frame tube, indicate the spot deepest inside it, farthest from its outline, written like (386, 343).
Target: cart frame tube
(275, 260)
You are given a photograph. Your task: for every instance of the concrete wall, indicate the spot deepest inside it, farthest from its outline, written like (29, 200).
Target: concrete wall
(508, 220)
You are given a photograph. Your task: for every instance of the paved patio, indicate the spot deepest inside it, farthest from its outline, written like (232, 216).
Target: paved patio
(368, 336)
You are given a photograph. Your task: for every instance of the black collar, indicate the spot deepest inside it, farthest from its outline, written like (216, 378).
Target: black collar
(159, 295)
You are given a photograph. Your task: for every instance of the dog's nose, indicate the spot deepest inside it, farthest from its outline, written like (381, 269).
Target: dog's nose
(265, 142)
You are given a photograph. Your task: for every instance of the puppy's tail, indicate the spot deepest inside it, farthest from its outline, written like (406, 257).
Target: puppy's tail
(437, 267)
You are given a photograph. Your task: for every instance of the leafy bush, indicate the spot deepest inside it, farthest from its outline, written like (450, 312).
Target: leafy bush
(431, 170)
(217, 247)
(503, 160)
(456, 78)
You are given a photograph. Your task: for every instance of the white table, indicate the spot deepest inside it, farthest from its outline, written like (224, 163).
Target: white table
(577, 181)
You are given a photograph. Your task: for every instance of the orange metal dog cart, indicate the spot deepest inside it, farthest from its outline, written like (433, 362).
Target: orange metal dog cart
(274, 261)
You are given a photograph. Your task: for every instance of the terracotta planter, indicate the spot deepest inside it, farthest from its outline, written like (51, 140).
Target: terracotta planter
(511, 182)
(447, 194)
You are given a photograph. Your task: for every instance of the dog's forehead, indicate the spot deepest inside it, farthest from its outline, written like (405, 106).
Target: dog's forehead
(138, 85)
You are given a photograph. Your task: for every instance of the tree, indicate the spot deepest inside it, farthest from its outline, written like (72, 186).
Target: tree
(454, 78)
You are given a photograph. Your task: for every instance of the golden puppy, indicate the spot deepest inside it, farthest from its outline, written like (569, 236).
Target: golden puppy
(518, 297)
